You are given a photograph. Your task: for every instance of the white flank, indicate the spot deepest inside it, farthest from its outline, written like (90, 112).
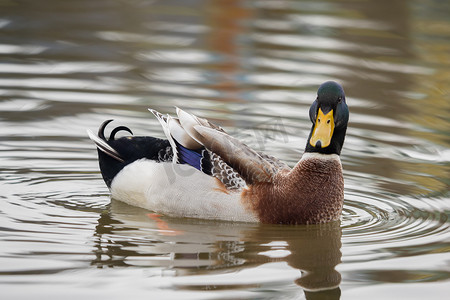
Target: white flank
(178, 191)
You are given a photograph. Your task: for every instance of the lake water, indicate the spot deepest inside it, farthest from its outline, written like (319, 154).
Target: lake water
(254, 68)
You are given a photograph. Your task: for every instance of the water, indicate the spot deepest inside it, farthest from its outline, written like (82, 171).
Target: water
(254, 68)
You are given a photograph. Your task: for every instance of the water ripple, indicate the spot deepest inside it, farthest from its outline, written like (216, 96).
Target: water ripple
(380, 223)
(63, 68)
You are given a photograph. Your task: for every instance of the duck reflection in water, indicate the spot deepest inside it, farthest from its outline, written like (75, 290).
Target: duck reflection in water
(127, 236)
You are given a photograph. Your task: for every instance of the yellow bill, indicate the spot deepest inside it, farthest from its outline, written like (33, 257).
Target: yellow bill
(323, 129)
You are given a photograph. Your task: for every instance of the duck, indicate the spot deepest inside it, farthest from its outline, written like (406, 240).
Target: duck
(200, 171)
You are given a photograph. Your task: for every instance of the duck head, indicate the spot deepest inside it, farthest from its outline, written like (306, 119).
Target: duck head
(329, 115)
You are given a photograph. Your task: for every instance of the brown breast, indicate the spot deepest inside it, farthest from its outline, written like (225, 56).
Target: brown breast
(313, 192)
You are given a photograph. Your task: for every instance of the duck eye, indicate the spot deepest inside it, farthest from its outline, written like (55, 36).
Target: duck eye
(328, 121)
(339, 99)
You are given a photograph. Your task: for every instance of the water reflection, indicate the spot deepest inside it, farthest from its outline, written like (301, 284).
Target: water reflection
(129, 236)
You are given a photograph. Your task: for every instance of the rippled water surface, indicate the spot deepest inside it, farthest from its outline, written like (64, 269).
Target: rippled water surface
(254, 68)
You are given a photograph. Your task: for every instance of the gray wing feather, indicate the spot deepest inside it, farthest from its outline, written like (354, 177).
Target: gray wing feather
(226, 174)
(247, 162)
(275, 162)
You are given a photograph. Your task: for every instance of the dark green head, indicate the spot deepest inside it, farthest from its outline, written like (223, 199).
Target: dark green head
(329, 115)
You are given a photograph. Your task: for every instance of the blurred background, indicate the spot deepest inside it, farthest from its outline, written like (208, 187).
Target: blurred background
(252, 67)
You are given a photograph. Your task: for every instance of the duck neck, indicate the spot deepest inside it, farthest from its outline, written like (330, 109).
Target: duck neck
(314, 162)
(335, 146)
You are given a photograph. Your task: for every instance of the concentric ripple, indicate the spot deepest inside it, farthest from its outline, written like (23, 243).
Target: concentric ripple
(378, 224)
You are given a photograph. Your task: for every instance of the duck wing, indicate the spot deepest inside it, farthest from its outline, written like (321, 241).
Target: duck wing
(187, 150)
(278, 164)
(248, 164)
(225, 173)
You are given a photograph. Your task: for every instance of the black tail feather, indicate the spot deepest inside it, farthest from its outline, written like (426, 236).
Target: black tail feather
(115, 154)
(117, 129)
(101, 130)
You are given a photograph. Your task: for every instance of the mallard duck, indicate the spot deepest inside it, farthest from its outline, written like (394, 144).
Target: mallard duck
(200, 171)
